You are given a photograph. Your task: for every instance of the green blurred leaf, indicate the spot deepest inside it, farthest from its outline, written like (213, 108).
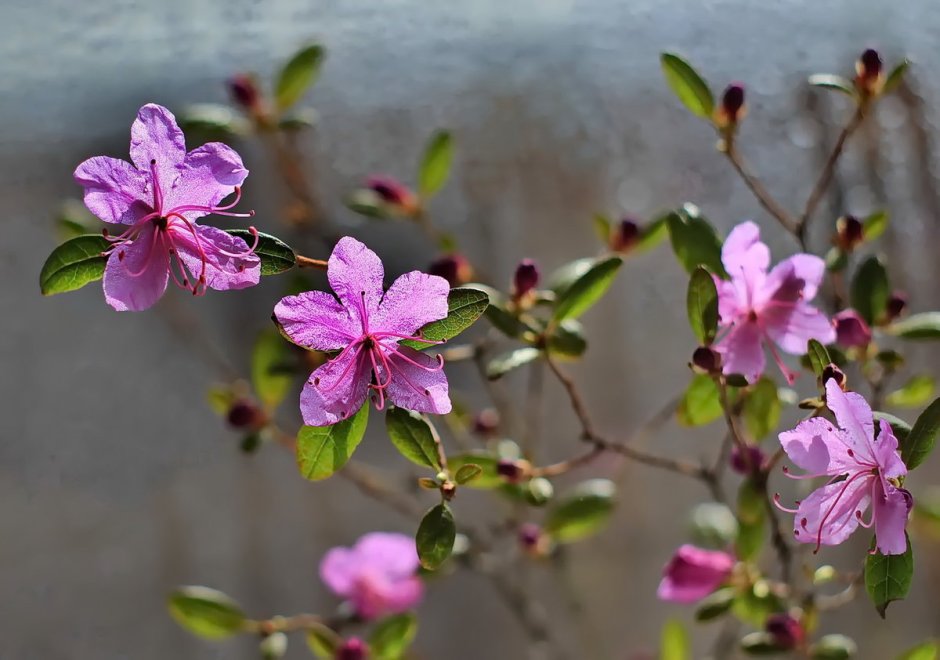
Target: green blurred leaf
(755, 604)
(874, 225)
(561, 279)
(674, 642)
(713, 525)
(587, 289)
(206, 612)
(925, 325)
(915, 392)
(487, 478)
(819, 357)
(929, 650)
(653, 234)
(836, 259)
(894, 78)
(298, 120)
(582, 512)
(276, 255)
(220, 399)
(512, 359)
(714, 605)
(435, 537)
(74, 219)
(322, 450)
(467, 473)
(888, 577)
(392, 636)
(322, 641)
(688, 85)
(213, 122)
(760, 644)
(700, 403)
(694, 241)
(830, 81)
(435, 164)
(73, 264)
(870, 290)
(833, 647)
(567, 340)
(762, 408)
(300, 72)
(414, 437)
(752, 517)
(702, 306)
(602, 227)
(270, 368)
(464, 306)
(923, 436)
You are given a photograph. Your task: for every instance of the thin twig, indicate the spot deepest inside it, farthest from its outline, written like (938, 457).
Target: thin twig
(307, 262)
(757, 188)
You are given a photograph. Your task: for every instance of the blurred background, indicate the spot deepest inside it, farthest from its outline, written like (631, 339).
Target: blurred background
(117, 481)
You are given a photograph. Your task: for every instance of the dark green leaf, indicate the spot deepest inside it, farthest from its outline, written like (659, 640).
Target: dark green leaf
(751, 521)
(464, 306)
(435, 164)
(894, 78)
(762, 408)
(874, 225)
(818, 357)
(702, 306)
(870, 290)
(829, 81)
(512, 359)
(270, 368)
(917, 326)
(587, 289)
(486, 479)
(888, 577)
(688, 85)
(206, 612)
(298, 120)
(836, 259)
(276, 256)
(300, 72)
(413, 437)
(467, 473)
(715, 605)
(694, 241)
(915, 392)
(392, 636)
(582, 512)
(700, 403)
(833, 647)
(74, 264)
(929, 650)
(923, 436)
(322, 450)
(435, 537)
(567, 340)
(674, 642)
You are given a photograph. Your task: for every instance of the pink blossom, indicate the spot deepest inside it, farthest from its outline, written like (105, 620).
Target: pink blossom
(693, 573)
(758, 307)
(366, 326)
(160, 196)
(851, 329)
(377, 575)
(863, 469)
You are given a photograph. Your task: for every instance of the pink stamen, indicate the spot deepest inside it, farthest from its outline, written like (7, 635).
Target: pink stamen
(218, 210)
(791, 376)
(822, 522)
(202, 252)
(339, 380)
(440, 360)
(380, 335)
(780, 506)
(868, 525)
(246, 253)
(157, 193)
(146, 260)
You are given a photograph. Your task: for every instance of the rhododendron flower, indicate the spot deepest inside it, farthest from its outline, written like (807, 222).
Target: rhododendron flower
(851, 329)
(377, 575)
(758, 307)
(693, 573)
(367, 327)
(864, 470)
(160, 196)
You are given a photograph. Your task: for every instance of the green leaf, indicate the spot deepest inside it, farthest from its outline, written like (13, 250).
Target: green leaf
(915, 392)
(713, 525)
(435, 164)
(818, 357)
(464, 306)
(567, 274)
(602, 227)
(688, 85)
(894, 78)
(276, 255)
(322, 641)
(923, 436)
(762, 408)
(888, 577)
(760, 643)
(300, 72)
(694, 241)
(702, 306)
(700, 403)
(74, 264)
(652, 234)
(392, 636)
(206, 612)
(674, 642)
(435, 537)
(928, 650)
(833, 647)
(270, 368)
(487, 477)
(213, 122)
(830, 81)
(512, 359)
(870, 290)
(467, 473)
(413, 437)
(874, 225)
(901, 428)
(582, 512)
(567, 340)
(925, 325)
(587, 289)
(752, 516)
(714, 605)
(322, 450)
(755, 604)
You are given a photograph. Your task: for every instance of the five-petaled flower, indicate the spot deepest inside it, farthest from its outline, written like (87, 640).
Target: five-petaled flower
(160, 196)
(756, 306)
(863, 469)
(367, 326)
(693, 573)
(377, 575)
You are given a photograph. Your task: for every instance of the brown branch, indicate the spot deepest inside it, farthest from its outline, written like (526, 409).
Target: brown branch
(757, 188)
(307, 262)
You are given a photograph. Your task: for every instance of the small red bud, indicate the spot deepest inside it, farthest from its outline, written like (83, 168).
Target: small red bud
(706, 360)
(869, 72)
(246, 415)
(897, 305)
(849, 232)
(514, 471)
(787, 632)
(352, 649)
(486, 423)
(732, 109)
(452, 267)
(448, 490)
(244, 91)
(625, 235)
(392, 192)
(746, 461)
(831, 371)
(526, 278)
(534, 541)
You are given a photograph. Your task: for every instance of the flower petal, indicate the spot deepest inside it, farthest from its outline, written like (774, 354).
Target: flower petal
(394, 555)
(314, 319)
(207, 175)
(818, 447)
(414, 300)
(115, 190)
(746, 259)
(828, 516)
(355, 273)
(335, 390)
(155, 136)
(338, 570)
(796, 277)
(741, 351)
(137, 280)
(390, 597)
(791, 326)
(732, 301)
(854, 415)
(890, 465)
(693, 573)
(891, 509)
(222, 271)
(421, 388)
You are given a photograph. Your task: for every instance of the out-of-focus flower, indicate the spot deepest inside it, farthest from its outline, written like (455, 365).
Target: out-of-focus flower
(786, 631)
(352, 649)
(693, 573)
(525, 279)
(731, 109)
(454, 267)
(851, 329)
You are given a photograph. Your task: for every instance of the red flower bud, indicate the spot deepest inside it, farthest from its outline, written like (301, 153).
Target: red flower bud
(246, 415)
(526, 278)
(486, 423)
(352, 649)
(452, 267)
(244, 91)
(732, 109)
(787, 632)
(849, 232)
(897, 305)
(625, 235)
(394, 193)
(851, 329)
(706, 360)
(746, 461)
(869, 72)
(831, 371)
(514, 471)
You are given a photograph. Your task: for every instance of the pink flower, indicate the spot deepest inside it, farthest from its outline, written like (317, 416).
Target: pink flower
(757, 307)
(693, 573)
(863, 470)
(366, 326)
(851, 329)
(377, 575)
(160, 196)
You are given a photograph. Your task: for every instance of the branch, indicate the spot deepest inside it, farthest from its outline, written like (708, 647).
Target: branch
(307, 262)
(757, 188)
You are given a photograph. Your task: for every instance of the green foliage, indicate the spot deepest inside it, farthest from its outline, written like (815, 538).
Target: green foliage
(702, 306)
(833, 647)
(487, 477)
(888, 577)
(392, 636)
(762, 408)
(567, 340)
(819, 357)
(901, 428)
(914, 393)
(694, 241)
(435, 164)
(870, 290)
(874, 225)
(925, 325)
(322, 450)
(464, 306)
(688, 85)
(512, 359)
(752, 518)
(674, 642)
(716, 604)
(583, 512)
(322, 641)
(587, 289)
(923, 436)
(270, 368)
(830, 81)
(73, 264)
(206, 612)
(276, 255)
(414, 437)
(713, 525)
(895, 77)
(435, 537)
(701, 403)
(754, 604)
(929, 650)
(652, 234)
(300, 72)
(467, 473)
(274, 646)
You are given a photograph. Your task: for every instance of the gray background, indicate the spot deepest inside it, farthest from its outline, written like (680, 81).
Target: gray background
(117, 482)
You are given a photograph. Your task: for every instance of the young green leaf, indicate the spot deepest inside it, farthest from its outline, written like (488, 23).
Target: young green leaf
(322, 641)
(762, 408)
(73, 264)
(322, 450)
(870, 290)
(206, 612)
(486, 478)
(652, 234)
(694, 241)
(819, 357)
(300, 72)
(895, 77)
(602, 227)
(700, 403)
(276, 255)
(923, 436)
(702, 306)
(270, 368)
(833, 647)
(715, 605)
(512, 359)
(888, 577)
(674, 642)
(413, 437)
(435, 164)
(392, 636)
(464, 306)
(587, 289)
(274, 646)
(925, 325)
(830, 81)
(688, 85)
(582, 512)
(874, 225)
(929, 650)
(752, 519)
(435, 538)
(467, 473)
(915, 392)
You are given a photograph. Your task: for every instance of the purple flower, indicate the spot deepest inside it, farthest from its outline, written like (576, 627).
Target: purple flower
(693, 573)
(160, 196)
(377, 575)
(758, 307)
(851, 329)
(863, 470)
(366, 326)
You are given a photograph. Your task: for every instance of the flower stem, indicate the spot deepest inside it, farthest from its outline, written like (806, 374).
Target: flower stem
(757, 188)
(307, 262)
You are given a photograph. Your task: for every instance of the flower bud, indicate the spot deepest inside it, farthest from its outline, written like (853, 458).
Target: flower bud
(448, 490)
(245, 414)
(533, 540)
(352, 649)
(787, 631)
(897, 306)
(244, 91)
(849, 232)
(526, 278)
(746, 461)
(706, 360)
(731, 110)
(394, 193)
(851, 329)
(693, 573)
(869, 77)
(514, 471)
(486, 423)
(831, 371)
(452, 267)
(625, 235)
